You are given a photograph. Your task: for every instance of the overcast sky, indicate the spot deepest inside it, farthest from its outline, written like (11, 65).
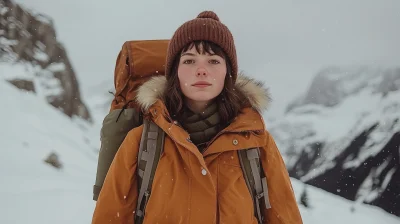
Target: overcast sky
(282, 42)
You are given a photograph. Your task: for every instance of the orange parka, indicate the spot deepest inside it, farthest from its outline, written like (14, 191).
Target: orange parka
(194, 188)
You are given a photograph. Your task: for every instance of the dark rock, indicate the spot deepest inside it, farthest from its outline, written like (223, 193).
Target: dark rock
(30, 40)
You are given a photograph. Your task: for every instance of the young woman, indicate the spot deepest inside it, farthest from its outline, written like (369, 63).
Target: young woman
(208, 112)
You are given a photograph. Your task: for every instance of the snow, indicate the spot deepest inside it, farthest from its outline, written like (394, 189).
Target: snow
(5, 41)
(35, 192)
(41, 17)
(46, 85)
(318, 171)
(31, 187)
(10, 71)
(40, 56)
(327, 208)
(326, 122)
(376, 105)
(56, 67)
(317, 123)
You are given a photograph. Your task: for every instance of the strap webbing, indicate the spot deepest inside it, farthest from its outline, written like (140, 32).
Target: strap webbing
(257, 184)
(151, 147)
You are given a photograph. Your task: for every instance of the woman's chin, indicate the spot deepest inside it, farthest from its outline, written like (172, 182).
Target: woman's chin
(201, 97)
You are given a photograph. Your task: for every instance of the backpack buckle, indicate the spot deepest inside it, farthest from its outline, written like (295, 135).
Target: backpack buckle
(139, 213)
(260, 195)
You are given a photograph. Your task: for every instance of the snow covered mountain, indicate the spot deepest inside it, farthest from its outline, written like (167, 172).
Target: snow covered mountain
(343, 135)
(32, 59)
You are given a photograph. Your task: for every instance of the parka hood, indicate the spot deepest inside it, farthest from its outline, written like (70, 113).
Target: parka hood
(255, 92)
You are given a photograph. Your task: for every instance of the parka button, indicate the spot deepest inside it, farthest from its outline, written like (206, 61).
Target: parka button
(203, 171)
(235, 141)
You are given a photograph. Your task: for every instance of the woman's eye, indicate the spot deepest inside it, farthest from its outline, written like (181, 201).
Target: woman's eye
(213, 61)
(189, 61)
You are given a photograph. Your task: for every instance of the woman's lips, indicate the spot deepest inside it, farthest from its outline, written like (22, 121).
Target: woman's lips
(201, 84)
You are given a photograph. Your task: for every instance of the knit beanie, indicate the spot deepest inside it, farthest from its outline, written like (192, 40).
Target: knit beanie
(207, 27)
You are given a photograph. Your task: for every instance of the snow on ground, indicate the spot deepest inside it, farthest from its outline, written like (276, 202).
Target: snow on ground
(46, 84)
(328, 208)
(32, 191)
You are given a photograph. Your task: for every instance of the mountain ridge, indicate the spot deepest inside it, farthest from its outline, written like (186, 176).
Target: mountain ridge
(341, 146)
(32, 59)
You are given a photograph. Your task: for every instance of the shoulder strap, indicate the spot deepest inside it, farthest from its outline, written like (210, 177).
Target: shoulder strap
(255, 180)
(151, 147)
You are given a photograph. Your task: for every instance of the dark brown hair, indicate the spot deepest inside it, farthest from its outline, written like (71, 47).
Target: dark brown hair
(229, 101)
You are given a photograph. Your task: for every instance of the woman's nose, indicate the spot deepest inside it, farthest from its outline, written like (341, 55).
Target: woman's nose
(201, 71)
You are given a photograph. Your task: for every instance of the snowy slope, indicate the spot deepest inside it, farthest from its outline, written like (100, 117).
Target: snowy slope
(32, 191)
(35, 192)
(343, 135)
(328, 208)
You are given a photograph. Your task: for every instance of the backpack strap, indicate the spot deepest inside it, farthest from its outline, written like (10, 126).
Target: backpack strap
(255, 179)
(151, 147)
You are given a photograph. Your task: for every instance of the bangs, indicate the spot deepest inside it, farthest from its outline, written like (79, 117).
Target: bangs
(205, 47)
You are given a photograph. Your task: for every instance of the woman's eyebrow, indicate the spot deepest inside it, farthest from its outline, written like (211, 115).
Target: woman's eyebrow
(188, 53)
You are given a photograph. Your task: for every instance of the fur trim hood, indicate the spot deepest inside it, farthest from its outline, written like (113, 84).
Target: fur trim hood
(255, 91)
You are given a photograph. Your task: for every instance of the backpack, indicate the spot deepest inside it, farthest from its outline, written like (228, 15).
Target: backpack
(137, 62)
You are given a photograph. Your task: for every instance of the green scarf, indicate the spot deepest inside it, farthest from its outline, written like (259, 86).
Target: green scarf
(202, 127)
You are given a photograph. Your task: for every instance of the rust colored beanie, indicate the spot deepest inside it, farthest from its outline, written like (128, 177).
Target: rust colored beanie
(208, 27)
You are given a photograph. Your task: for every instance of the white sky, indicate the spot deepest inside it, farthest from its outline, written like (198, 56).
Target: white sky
(282, 42)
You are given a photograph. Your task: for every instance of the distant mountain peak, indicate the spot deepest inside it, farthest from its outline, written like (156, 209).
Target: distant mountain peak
(332, 84)
(343, 135)
(33, 60)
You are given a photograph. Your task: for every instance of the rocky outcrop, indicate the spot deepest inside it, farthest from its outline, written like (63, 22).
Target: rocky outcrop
(376, 180)
(33, 60)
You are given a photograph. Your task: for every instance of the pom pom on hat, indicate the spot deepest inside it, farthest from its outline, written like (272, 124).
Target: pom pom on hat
(208, 15)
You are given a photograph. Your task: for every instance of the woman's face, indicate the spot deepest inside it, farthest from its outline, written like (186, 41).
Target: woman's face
(201, 76)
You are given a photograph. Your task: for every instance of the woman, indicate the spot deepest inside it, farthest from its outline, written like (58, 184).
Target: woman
(208, 112)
